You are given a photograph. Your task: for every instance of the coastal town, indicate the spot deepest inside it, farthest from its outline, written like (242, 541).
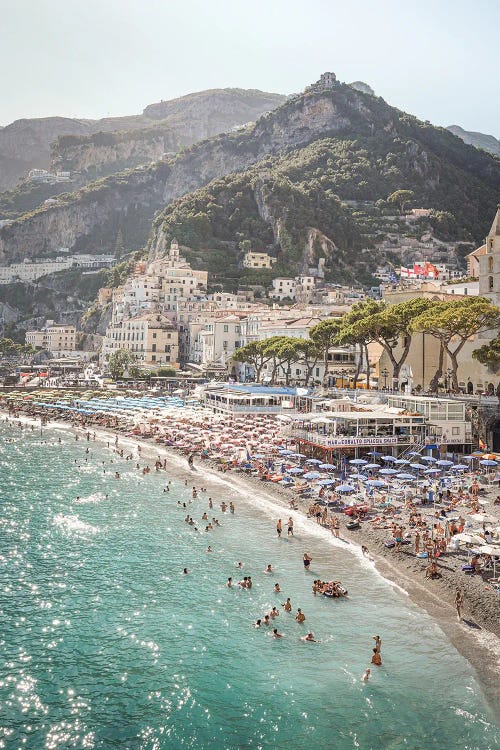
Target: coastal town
(249, 376)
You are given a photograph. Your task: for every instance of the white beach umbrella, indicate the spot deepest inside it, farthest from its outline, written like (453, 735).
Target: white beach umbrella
(468, 538)
(484, 518)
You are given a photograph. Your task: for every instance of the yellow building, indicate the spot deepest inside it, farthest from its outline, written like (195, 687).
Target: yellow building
(258, 260)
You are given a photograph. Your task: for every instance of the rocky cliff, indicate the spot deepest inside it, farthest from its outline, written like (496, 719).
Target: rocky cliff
(431, 157)
(479, 140)
(167, 126)
(25, 144)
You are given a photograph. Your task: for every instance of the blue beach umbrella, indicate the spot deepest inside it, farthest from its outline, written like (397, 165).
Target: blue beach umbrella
(313, 461)
(374, 453)
(431, 459)
(296, 470)
(406, 477)
(432, 471)
(444, 462)
(358, 462)
(345, 488)
(372, 466)
(487, 462)
(327, 466)
(364, 477)
(401, 462)
(286, 452)
(418, 466)
(388, 458)
(312, 475)
(388, 471)
(459, 467)
(376, 483)
(326, 482)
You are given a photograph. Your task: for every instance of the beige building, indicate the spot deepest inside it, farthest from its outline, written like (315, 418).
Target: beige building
(151, 337)
(53, 338)
(258, 260)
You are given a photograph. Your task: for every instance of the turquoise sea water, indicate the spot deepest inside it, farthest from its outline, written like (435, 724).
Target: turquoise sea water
(104, 643)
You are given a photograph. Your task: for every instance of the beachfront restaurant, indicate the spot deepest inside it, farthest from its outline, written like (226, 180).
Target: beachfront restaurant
(358, 431)
(227, 398)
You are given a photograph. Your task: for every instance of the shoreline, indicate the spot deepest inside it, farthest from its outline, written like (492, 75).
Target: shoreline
(476, 638)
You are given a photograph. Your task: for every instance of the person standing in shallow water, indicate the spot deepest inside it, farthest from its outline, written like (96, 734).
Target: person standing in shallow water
(278, 528)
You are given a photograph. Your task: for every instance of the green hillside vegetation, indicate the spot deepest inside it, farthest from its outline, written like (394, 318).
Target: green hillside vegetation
(304, 188)
(26, 197)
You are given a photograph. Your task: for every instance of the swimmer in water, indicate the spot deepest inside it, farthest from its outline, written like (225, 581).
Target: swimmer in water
(185, 571)
(257, 623)
(229, 582)
(276, 634)
(309, 637)
(239, 564)
(300, 616)
(307, 560)
(366, 675)
(287, 606)
(277, 588)
(209, 549)
(268, 569)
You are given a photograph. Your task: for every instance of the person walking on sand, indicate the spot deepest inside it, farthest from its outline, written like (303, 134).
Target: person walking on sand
(458, 604)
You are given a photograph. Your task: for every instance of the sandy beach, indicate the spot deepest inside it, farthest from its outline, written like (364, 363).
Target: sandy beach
(476, 636)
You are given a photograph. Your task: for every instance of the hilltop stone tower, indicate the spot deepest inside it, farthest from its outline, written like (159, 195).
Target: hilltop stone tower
(489, 263)
(326, 82)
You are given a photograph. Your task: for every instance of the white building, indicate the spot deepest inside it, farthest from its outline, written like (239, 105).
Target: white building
(283, 288)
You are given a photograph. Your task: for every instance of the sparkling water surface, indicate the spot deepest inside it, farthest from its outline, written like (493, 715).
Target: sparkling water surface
(104, 643)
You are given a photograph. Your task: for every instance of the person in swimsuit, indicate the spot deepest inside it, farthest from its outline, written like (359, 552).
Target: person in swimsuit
(277, 588)
(300, 616)
(287, 606)
(376, 658)
(308, 637)
(290, 526)
(278, 528)
(276, 634)
(307, 560)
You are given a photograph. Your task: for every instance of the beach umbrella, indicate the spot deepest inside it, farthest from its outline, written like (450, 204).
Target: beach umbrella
(358, 462)
(490, 456)
(299, 455)
(345, 488)
(257, 456)
(312, 475)
(373, 453)
(388, 471)
(459, 467)
(287, 452)
(407, 477)
(358, 476)
(326, 482)
(376, 483)
(492, 550)
(413, 453)
(444, 462)
(296, 470)
(327, 466)
(313, 461)
(431, 459)
(372, 466)
(432, 471)
(401, 461)
(388, 458)
(468, 538)
(484, 518)
(487, 462)
(418, 466)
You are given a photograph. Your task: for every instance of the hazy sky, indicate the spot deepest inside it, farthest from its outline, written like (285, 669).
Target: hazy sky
(438, 59)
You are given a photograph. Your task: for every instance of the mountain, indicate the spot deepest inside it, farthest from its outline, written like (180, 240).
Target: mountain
(479, 140)
(361, 149)
(97, 147)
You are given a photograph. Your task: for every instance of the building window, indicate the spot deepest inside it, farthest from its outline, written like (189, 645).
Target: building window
(226, 329)
(153, 348)
(455, 430)
(490, 283)
(490, 265)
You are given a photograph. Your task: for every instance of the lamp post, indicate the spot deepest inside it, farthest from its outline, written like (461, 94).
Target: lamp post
(385, 373)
